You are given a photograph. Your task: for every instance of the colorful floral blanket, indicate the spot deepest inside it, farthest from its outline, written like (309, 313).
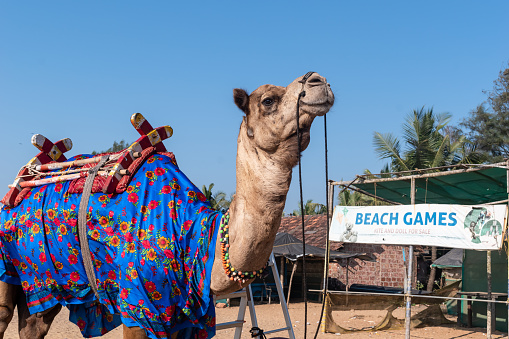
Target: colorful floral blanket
(153, 249)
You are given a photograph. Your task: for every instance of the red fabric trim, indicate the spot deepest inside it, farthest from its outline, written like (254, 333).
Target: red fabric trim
(76, 186)
(171, 156)
(21, 195)
(40, 301)
(126, 179)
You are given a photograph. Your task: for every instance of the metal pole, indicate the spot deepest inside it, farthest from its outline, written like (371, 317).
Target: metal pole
(281, 294)
(489, 305)
(330, 210)
(408, 291)
(282, 273)
(506, 230)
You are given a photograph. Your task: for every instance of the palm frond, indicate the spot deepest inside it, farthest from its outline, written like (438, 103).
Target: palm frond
(387, 146)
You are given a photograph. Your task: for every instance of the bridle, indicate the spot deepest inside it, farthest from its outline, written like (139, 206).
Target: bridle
(302, 94)
(240, 276)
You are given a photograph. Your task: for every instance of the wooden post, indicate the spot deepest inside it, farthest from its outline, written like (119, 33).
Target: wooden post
(347, 288)
(347, 269)
(408, 313)
(432, 273)
(291, 278)
(323, 325)
(330, 204)
(324, 296)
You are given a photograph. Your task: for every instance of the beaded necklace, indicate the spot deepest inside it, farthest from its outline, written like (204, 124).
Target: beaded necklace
(231, 272)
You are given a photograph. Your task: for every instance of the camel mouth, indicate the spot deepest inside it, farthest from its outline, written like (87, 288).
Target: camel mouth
(318, 105)
(316, 109)
(304, 132)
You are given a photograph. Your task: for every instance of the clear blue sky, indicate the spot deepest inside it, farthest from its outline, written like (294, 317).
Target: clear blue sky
(79, 69)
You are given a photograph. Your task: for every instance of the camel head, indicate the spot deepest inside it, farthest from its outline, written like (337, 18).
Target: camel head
(270, 122)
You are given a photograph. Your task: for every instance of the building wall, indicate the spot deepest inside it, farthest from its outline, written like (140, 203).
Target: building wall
(388, 270)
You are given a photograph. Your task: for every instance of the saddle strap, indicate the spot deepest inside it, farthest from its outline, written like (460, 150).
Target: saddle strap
(82, 226)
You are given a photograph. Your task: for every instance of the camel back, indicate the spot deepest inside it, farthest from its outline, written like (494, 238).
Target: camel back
(152, 246)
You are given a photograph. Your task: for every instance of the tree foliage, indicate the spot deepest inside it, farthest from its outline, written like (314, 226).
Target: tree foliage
(117, 146)
(218, 200)
(353, 198)
(310, 208)
(427, 143)
(488, 124)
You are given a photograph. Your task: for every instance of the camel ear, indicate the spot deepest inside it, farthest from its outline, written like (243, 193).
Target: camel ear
(241, 99)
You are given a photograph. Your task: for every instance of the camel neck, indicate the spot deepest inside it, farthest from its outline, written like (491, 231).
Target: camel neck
(255, 213)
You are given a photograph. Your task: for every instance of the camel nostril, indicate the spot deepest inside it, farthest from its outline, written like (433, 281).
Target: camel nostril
(316, 80)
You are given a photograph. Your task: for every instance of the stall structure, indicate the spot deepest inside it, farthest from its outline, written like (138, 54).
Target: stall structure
(289, 248)
(475, 187)
(451, 265)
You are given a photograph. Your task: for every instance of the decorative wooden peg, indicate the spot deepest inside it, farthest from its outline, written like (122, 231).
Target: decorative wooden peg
(155, 136)
(49, 152)
(54, 151)
(150, 137)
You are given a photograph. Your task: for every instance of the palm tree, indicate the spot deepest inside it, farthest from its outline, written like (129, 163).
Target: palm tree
(218, 200)
(354, 198)
(207, 191)
(429, 143)
(311, 208)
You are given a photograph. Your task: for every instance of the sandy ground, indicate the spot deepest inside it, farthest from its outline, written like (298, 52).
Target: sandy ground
(270, 317)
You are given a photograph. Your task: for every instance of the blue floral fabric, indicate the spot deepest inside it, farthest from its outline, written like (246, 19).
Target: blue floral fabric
(152, 246)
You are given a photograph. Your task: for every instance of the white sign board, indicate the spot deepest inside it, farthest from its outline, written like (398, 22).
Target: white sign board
(456, 226)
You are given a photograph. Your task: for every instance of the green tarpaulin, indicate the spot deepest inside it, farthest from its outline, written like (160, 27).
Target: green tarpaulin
(467, 187)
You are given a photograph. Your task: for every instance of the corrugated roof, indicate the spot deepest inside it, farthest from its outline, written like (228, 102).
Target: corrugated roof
(290, 247)
(315, 230)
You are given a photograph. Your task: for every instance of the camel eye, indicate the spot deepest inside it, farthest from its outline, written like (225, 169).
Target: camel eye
(268, 101)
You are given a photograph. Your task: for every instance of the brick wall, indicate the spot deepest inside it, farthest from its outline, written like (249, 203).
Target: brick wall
(388, 270)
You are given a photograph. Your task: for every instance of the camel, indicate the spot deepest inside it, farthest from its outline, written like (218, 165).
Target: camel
(267, 150)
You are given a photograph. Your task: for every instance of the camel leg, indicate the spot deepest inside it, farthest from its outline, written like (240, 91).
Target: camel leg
(134, 333)
(139, 333)
(34, 326)
(7, 302)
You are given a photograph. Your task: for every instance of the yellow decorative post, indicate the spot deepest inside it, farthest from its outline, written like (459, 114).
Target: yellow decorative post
(325, 318)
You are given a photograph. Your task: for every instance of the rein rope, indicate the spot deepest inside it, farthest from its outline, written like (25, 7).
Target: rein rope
(242, 276)
(327, 244)
(304, 285)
